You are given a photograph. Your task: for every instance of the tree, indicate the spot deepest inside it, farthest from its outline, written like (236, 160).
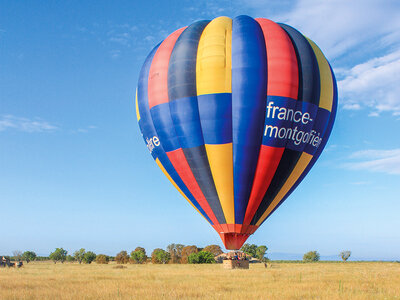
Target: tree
(175, 250)
(139, 255)
(214, 249)
(140, 249)
(311, 256)
(179, 248)
(186, 251)
(58, 255)
(122, 257)
(70, 258)
(260, 252)
(159, 256)
(17, 255)
(102, 259)
(79, 254)
(29, 256)
(171, 249)
(250, 249)
(193, 258)
(202, 257)
(345, 255)
(89, 257)
(206, 257)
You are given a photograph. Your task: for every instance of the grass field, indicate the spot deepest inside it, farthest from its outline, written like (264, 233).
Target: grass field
(45, 280)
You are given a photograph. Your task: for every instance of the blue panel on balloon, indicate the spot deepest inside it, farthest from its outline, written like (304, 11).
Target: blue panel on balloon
(165, 127)
(249, 89)
(185, 115)
(216, 117)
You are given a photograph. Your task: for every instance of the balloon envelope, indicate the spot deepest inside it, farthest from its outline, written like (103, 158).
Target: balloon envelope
(235, 113)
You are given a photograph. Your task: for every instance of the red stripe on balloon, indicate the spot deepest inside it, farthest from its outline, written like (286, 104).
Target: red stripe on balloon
(178, 160)
(268, 162)
(283, 73)
(158, 75)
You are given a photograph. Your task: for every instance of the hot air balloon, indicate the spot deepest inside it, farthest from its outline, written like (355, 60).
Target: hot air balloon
(235, 112)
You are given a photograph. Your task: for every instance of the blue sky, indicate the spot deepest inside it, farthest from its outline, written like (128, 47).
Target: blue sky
(74, 171)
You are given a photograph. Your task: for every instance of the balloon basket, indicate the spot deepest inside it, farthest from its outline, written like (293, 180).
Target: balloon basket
(235, 264)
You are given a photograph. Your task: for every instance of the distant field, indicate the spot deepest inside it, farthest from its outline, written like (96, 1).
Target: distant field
(45, 280)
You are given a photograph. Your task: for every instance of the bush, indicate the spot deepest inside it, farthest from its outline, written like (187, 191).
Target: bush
(202, 257)
(311, 256)
(119, 267)
(159, 256)
(89, 257)
(193, 258)
(102, 259)
(122, 258)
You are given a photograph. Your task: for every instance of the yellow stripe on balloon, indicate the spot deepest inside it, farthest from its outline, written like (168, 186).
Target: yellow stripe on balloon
(214, 59)
(301, 165)
(326, 81)
(214, 76)
(137, 108)
(176, 186)
(221, 165)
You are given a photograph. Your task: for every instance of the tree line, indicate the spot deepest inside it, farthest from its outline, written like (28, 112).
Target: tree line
(174, 253)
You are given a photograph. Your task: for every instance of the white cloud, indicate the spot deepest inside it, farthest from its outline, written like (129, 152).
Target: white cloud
(87, 129)
(331, 148)
(384, 161)
(352, 106)
(118, 38)
(339, 26)
(115, 53)
(360, 183)
(204, 9)
(373, 84)
(149, 38)
(373, 114)
(24, 124)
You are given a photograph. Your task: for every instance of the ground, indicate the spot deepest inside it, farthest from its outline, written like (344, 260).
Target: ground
(351, 280)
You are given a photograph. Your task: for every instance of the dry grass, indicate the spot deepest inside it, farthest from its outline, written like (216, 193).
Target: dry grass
(282, 281)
